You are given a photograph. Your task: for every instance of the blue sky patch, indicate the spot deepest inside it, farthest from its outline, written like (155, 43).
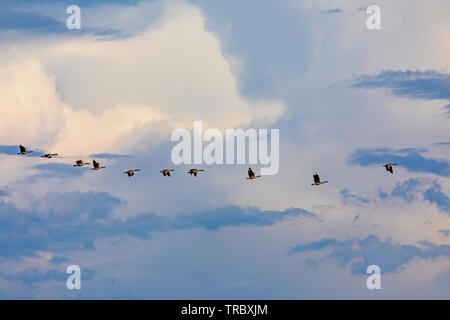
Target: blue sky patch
(428, 85)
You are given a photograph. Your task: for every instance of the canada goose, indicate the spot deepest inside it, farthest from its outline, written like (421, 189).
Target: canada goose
(389, 167)
(131, 172)
(194, 172)
(96, 165)
(49, 155)
(80, 163)
(166, 172)
(317, 180)
(23, 150)
(251, 174)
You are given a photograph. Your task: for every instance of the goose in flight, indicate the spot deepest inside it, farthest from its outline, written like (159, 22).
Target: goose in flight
(24, 150)
(96, 165)
(80, 163)
(317, 181)
(251, 174)
(131, 172)
(166, 172)
(49, 155)
(388, 167)
(194, 171)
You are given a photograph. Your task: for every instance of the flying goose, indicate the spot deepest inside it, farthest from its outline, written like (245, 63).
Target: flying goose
(131, 172)
(317, 181)
(96, 165)
(80, 163)
(388, 167)
(166, 172)
(49, 155)
(194, 171)
(251, 174)
(23, 150)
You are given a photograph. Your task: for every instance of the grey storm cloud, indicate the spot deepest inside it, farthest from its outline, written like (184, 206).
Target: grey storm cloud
(350, 198)
(357, 253)
(64, 221)
(32, 276)
(426, 189)
(428, 85)
(27, 17)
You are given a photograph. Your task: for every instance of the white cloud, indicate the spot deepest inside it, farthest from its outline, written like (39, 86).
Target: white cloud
(85, 95)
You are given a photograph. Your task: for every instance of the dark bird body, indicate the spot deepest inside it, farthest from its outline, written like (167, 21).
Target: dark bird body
(166, 172)
(24, 150)
(131, 172)
(80, 163)
(49, 155)
(251, 174)
(96, 165)
(317, 181)
(194, 171)
(389, 168)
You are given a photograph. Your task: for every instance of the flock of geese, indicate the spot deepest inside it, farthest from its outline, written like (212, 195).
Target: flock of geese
(166, 172)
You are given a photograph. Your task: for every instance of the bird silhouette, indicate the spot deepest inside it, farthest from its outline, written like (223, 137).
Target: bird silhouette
(194, 171)
(131, 172)
(96, 165)
(317, 181)
(24, 150)
(49, 155)
(251, 174)
(389, 168)
(80, 163)
(166, 172)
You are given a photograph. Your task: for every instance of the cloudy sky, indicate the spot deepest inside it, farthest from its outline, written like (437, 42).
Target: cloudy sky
(346, 100)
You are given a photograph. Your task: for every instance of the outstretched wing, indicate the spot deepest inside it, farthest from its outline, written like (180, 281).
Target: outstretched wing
(22, 148)
(195, 173)
(251, 174)
(96, 164)
(168, 173)
(316, 177)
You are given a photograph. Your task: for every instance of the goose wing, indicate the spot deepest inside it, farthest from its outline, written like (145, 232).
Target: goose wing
(316, 177)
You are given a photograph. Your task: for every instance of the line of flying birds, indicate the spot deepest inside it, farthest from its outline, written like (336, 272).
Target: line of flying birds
(166, 172)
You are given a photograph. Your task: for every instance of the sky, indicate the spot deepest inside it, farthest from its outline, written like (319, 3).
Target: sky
(346, 101)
